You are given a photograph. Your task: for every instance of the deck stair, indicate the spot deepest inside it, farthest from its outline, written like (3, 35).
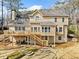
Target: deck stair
(37, 39)
(5, 39)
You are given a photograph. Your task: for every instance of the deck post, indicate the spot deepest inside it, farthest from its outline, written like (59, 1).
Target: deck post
(34, 43)
(54, 37)
(12, 40)
(27, 40)
(54, 42)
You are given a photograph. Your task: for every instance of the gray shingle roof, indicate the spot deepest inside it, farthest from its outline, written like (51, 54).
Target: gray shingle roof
(50, 12)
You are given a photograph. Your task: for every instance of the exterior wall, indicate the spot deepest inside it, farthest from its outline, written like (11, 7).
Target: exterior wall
(59, 20)
(52, 35)
(59, 41)
(12, 28)
(27, 29)
(51, 40)
(66, 32)
(63, 35)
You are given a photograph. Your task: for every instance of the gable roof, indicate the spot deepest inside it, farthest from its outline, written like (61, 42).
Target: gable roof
(50, 12)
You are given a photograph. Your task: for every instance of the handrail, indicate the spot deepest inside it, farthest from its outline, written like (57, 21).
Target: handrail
(39, 40)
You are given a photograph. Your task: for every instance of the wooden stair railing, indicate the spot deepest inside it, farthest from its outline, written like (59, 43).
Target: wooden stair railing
(39, 40)
(5, 40)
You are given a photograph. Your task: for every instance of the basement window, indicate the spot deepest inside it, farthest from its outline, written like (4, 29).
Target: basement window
(59, 38)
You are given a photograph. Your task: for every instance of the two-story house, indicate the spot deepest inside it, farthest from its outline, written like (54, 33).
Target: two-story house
(43, 27)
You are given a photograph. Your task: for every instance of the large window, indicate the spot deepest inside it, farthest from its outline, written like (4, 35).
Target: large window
(38, 29)
(46, 29)
(35, 29)
(18, 28)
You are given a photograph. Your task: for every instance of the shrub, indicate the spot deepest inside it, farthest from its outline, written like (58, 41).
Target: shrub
(72, 29)
(32, 49)
(71, 32)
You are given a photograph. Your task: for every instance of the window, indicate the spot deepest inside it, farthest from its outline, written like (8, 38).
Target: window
(31, 29)
(62, 19)
(37, 17)
(42, 29)
(45, 29)
(23, 28)
(45, 37)
(38, 29)
(18, 28)
(60, 29)
(55, 19)
(59, 38)
(48, 29)
(56, 29)
(35, 29)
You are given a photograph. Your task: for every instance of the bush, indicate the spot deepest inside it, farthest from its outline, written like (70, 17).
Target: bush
(16, 55)
(71, 32)
(32, 49)
(72, 29)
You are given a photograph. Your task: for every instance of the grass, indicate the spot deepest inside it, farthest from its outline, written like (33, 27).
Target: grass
(16, 55)
(19, 54)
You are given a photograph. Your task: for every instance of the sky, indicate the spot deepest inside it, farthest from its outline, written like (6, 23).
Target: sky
(34, 4)
(38, 3)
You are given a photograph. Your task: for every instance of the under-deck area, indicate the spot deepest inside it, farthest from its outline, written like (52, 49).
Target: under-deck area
(25, 40)
(28, 40)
